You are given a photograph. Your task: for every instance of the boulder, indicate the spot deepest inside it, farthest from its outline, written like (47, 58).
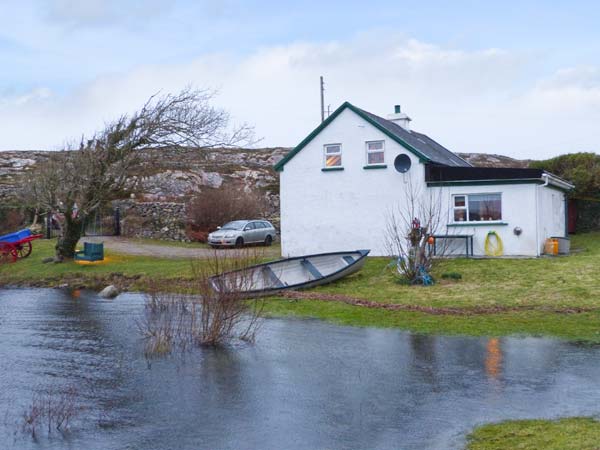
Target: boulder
(109, 292)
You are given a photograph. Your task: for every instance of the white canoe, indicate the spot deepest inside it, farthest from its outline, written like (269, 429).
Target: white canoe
(299, 272)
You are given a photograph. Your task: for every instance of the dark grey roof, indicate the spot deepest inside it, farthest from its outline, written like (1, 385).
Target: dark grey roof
(436, 152)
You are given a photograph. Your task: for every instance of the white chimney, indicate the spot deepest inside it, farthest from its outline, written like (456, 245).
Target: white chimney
(400, 118)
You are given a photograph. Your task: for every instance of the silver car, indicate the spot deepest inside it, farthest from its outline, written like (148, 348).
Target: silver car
(242, 232)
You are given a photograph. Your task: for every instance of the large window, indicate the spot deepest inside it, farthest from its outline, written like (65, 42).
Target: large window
(477, 207)
(375, 152)
(333, 155)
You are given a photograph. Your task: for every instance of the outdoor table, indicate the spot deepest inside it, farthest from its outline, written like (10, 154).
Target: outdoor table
(467, 237)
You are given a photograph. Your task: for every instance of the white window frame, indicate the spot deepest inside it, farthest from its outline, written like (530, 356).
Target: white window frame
(326, 154)
(367, 152)
(466, 208)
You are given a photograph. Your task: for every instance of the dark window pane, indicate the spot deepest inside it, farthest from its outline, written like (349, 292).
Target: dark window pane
(485, 207)
(332, 149)
(459, 201)
(375, 158)
(375, 145)
(460, 215)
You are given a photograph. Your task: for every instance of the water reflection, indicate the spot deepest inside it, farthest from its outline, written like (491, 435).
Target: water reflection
(424, 357)
(493, 359)
(305, 384)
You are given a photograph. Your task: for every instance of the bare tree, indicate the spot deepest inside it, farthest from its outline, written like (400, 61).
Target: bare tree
(410, 228)
(74, 184)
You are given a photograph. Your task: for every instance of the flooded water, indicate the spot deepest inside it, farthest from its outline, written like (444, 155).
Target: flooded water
(305, 384)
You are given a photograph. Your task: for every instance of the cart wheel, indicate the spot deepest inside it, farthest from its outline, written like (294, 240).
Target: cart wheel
(8, 253)
(24, 250)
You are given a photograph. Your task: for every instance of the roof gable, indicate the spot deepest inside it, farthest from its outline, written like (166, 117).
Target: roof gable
(425, 148)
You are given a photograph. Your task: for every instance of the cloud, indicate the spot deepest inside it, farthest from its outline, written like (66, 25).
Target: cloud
(90, 13)
(571, 91)
(483, 100)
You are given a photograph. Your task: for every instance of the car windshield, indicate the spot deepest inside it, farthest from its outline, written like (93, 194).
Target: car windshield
(235, 225)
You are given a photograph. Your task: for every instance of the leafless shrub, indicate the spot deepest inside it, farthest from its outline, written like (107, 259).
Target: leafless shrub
(215, 207)
(227, 313)
(409, 229)
(198, 315)
(51, 410)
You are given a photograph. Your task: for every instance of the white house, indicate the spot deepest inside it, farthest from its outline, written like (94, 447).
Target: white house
(339, 185)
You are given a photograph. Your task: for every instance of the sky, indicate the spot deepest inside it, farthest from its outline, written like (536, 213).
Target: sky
(515, 78)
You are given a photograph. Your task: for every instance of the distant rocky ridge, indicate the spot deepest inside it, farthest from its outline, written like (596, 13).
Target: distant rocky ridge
(171, 175)
(490, 160)
(174, 175)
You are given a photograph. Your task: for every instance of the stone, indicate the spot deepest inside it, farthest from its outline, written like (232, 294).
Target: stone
(47, 260)
(109, 292)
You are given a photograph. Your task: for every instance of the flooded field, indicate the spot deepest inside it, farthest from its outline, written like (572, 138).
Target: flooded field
(304, 384)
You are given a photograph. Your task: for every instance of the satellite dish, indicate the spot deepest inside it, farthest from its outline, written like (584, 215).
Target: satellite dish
(402, 163)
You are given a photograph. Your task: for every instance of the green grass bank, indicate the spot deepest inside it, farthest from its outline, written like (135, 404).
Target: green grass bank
(533, 290)
(578, 433)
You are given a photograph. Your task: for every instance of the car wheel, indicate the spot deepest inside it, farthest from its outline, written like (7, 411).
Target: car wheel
(268, 240)
(239, 242)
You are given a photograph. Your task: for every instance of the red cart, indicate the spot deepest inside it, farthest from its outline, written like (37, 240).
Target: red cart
(16, 245)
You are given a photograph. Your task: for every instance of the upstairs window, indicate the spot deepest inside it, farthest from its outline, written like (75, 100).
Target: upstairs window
(477, 207)
(333, 155)
(375, 153)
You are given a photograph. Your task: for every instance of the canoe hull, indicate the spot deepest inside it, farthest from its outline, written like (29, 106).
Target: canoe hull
(301, 272)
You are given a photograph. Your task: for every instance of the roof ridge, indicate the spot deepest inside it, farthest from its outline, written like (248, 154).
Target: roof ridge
(428, 152)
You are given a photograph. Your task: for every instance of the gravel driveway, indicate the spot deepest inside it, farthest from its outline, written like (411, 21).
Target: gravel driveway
(163, 250)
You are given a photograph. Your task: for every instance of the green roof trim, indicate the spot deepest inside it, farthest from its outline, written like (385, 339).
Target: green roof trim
(482, 223)
(279, 166)
(485, 182)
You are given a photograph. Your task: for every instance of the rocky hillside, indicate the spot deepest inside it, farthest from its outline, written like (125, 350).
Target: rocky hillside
(487, 160)
(169, 175)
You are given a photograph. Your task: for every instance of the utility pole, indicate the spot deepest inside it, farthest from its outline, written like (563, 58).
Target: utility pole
(322, 87)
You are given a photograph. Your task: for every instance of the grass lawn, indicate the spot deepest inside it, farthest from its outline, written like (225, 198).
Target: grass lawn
(545, 284)
(577, 433)
(32, 270)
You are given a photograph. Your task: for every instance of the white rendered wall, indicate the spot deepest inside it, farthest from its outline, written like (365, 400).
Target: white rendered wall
(341, 210)
(518, 210)
(551, 214)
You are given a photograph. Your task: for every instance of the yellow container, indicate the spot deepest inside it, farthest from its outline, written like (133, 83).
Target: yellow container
(551, 246)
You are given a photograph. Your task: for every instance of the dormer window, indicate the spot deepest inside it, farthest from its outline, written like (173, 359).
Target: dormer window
(332, 155)
(375, 153)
